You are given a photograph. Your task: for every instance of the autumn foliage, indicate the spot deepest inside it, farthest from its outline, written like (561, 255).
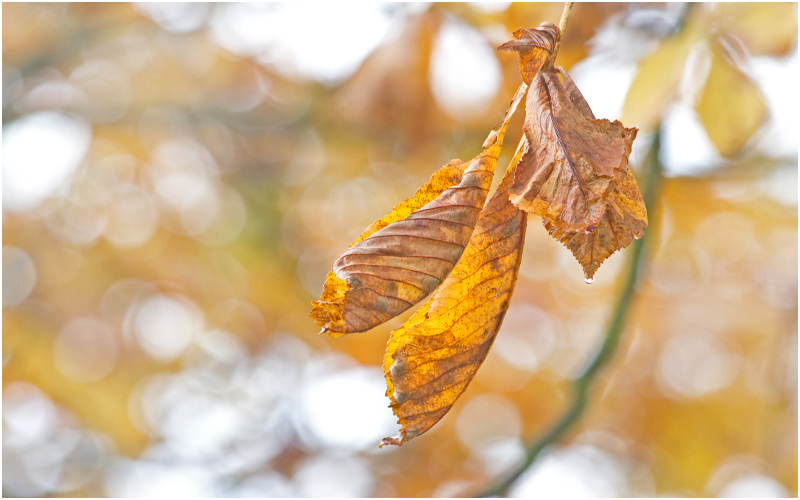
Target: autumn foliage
(179, 179)
(569, 168)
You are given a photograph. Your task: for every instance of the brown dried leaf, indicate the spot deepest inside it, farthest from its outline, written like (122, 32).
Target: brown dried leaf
(402, 257)
(624, 219)
(535, 48)
(432, 358)
(576, 176)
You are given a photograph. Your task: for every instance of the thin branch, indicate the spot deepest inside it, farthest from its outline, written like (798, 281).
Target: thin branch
(561, 27)
(636, 264)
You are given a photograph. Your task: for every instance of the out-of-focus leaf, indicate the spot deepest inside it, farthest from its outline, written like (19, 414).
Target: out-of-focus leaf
(535, 48)
(432, 358)
(402, 257)
(766, 28)
(657, 78)
(730, 107)
(576, 176)
(390, 93)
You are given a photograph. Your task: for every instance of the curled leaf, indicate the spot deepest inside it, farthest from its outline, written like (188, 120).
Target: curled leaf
(573, 158)
(624, 219)
(575, 175)
(402, 257)
(535, 48)
(432, 358)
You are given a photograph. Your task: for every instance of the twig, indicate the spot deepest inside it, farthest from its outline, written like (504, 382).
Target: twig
(610, 339)
(561, 26)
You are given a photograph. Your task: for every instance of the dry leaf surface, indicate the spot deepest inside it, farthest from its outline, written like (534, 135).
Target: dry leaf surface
(575, 175)
(624, 219)
(432, 358)
(535, 48)
(402, 257)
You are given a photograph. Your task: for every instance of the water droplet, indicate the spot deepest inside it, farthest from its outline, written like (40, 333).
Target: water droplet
(411, 434)
(492, 293)
(399, 397)
(398, 368)
(587, 279)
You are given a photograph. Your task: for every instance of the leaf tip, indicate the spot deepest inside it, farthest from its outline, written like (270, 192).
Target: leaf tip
(333, 334)
(401, 437)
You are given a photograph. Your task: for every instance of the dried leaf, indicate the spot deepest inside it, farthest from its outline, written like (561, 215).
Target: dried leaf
(390, 94)
(574, 157)
(624, 219)
(576, 176)
(402, 257)
(432, 358)
(535, 48)
(730, 107)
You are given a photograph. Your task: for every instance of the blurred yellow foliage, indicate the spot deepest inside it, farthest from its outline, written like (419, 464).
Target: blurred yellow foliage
(181, 176)
(730, 107)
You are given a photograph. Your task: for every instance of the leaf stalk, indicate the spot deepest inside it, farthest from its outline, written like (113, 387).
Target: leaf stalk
(562, 25)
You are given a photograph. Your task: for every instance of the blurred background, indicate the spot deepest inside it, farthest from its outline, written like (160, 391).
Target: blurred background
(179, 178)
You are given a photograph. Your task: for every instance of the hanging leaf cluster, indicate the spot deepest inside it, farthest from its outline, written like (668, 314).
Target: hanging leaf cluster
(449, 242)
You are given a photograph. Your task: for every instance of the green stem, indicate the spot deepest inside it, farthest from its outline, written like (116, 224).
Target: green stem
(580, 386)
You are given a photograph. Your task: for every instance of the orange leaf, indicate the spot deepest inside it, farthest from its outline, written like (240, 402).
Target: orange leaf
(576, 177)
(402, 257)
(432, 358)
(535, 48)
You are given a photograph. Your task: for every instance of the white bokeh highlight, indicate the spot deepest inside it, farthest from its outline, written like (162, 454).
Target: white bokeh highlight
(326, 43)
(19, 275)
(464, 72)
(165, 325)
(40, 151)
(347, 409)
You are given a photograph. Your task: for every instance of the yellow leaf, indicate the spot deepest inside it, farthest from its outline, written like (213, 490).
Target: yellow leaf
(730, 107)
(432, 358)
(765, 28)
(657, 79)
(402, 257)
